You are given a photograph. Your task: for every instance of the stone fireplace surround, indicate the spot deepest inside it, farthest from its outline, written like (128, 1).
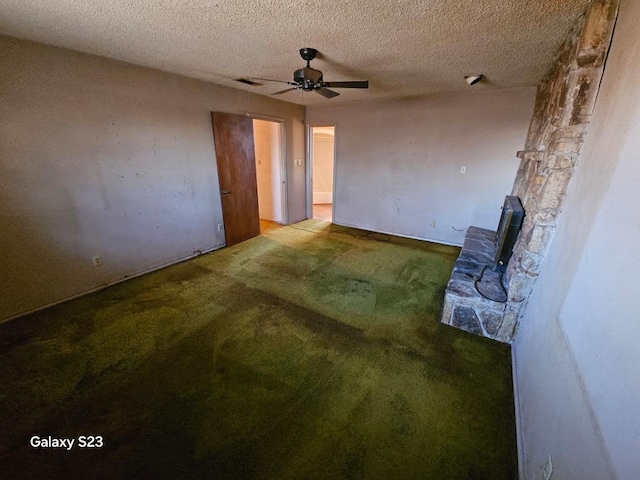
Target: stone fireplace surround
(475, 299)
(564, 104)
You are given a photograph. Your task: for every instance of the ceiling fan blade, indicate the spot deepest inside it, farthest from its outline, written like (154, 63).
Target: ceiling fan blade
(355, 84)
(284, 91)
(270, 80)
(326, 93)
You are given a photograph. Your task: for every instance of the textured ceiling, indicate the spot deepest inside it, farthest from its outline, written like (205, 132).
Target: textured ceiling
(405, 48)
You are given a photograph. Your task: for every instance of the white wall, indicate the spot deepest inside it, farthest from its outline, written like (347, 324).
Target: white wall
(104, 158)
(323, 150)
(398, 163)
(267, 141)
(578, 349)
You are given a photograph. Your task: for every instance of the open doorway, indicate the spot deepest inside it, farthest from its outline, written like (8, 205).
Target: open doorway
(267, 136)
(322, 157)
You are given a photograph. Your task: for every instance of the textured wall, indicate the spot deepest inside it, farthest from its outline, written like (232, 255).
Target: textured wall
(398, 163)
(577, 349)
(104, 158)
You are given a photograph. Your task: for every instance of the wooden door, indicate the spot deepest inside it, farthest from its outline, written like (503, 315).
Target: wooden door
(233, 139)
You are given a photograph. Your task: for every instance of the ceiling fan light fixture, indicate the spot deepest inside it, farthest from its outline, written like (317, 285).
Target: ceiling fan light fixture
(473, 79)
(309, 79)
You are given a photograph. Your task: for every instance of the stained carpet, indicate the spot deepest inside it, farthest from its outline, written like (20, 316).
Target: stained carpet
(310, 352)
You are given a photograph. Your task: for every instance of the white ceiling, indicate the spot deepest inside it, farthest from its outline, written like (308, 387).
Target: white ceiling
(405, 48)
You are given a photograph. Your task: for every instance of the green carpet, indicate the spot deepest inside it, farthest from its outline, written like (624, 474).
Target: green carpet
(310, 352)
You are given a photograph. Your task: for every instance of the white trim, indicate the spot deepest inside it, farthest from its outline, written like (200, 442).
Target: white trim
(283, 173)
(401, 235)
(322, 197)
(283, 161)
(259, 116)
(335, 172)
(309, 166)
(518, 414)
(308, 197)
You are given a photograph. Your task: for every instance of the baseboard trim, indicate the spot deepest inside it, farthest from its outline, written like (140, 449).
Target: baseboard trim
(396, 234)
(109, 284)
(516, 404)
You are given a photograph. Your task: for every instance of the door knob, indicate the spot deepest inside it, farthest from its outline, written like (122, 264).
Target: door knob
(226, 192)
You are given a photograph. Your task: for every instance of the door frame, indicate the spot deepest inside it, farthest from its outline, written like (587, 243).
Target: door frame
(283, 161)
(309, 167)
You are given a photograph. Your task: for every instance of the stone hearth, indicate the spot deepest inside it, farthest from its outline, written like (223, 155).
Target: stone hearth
(475, 299)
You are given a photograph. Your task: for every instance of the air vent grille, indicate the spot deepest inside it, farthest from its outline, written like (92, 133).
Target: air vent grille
(248, 82)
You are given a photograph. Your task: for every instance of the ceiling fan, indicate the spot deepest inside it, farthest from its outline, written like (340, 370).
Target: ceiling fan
(310, 80)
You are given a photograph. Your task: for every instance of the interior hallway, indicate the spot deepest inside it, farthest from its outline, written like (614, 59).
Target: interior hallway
(266, 225)
(323, 211)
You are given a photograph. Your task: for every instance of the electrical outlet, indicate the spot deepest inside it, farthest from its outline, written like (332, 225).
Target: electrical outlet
(547, 469)
(432, 223)
(219, 227)
(463, 169)
(97, 261)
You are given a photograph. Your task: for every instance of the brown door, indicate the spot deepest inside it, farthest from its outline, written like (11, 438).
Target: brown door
(233, 138)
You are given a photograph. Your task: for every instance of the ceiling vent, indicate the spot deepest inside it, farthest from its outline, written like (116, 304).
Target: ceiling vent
(248, 82)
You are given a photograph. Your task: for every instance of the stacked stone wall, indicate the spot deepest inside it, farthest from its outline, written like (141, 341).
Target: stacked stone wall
(564, 104)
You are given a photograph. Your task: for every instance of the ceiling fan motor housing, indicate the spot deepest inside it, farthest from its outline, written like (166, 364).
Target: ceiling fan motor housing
(309, 78)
